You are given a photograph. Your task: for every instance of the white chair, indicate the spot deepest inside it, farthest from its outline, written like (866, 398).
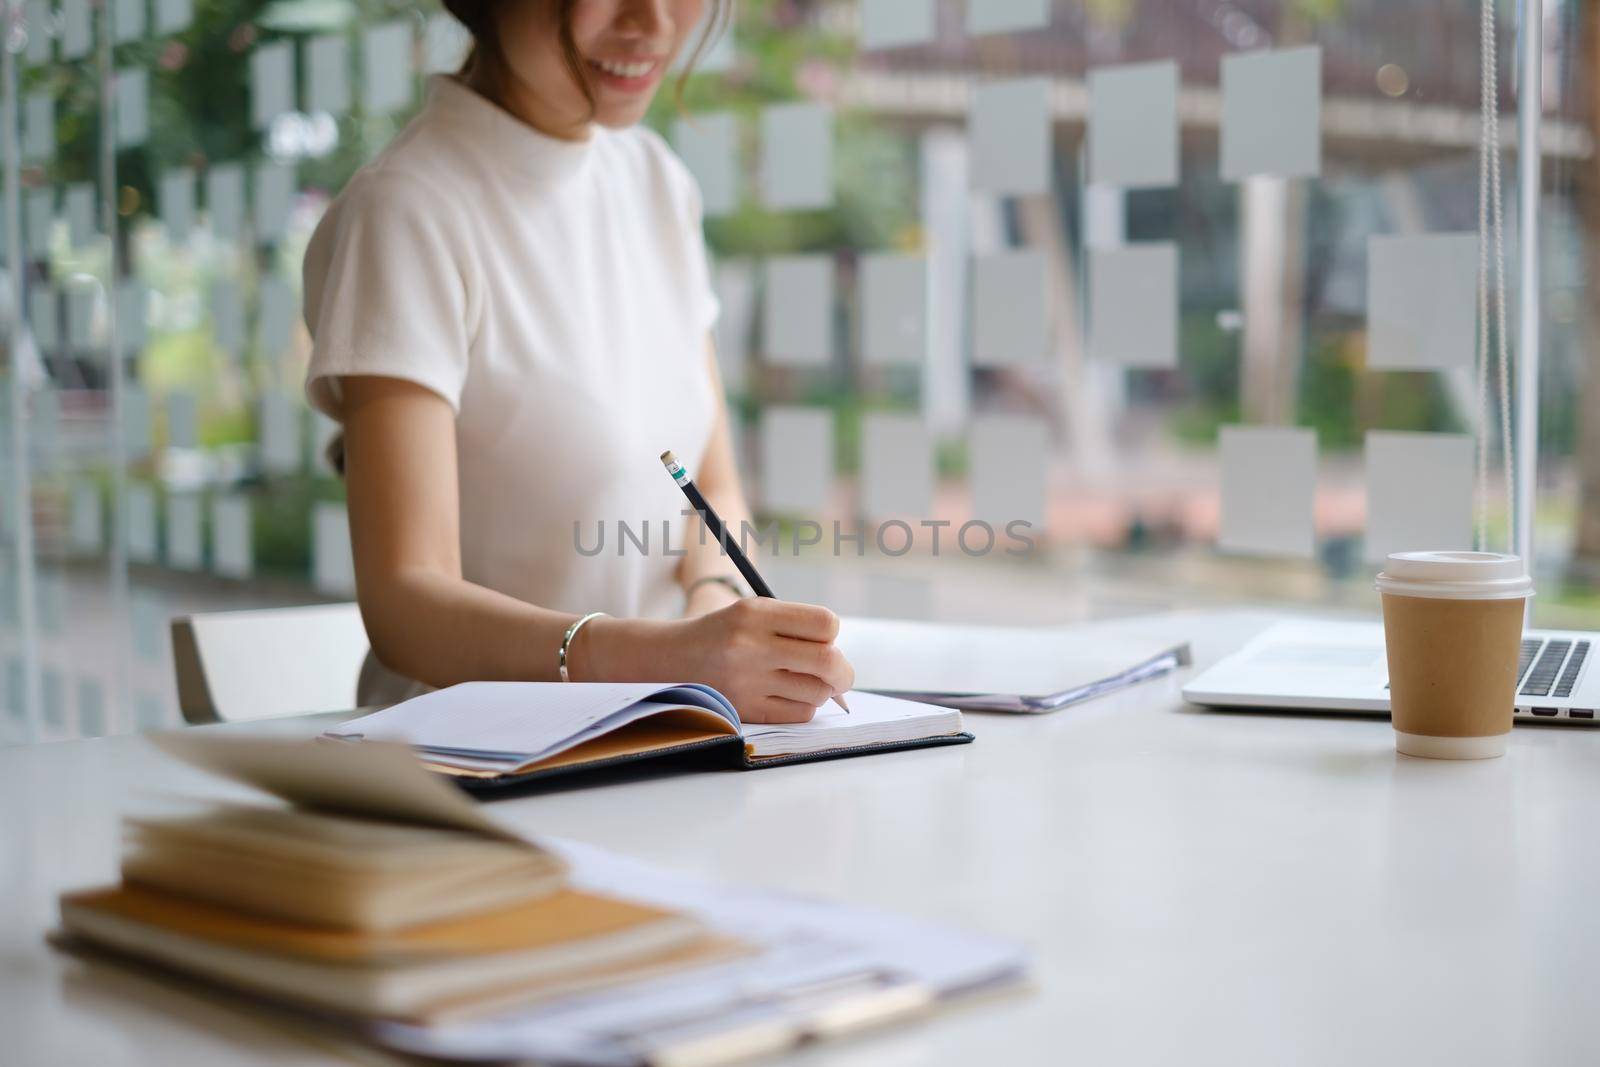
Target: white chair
(235, 666)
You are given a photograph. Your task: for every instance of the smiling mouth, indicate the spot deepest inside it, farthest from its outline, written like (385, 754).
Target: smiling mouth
(626, 73)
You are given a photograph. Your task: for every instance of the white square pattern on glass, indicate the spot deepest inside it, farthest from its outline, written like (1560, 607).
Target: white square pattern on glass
(1268, 487)
(184, 549)
(225, 200)
(735, 282)
(1422, 311)
(1006, 16)
(1007, 463)
(275, 316)
(86, 526)
(1011, 137)
(1133, 304)
(183, 420)
(328, 74)
(796, 459)
(897, 467)
(898, 23)
(386, 67)
(1272, 114)
(271, 82)
(279, 437)
(797, 157)
(1011, 322)
(332, 568)
(274, 195)
(133, 106)
(129, 20)
(231, 543)
(136, 423)
(1419, 493)
(798, 320)
(894, 308)
(708, 145)
(1133, 125)
(143, 523)
(175, 200)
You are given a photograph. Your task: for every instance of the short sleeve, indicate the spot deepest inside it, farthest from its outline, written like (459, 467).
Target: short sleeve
(386, 292)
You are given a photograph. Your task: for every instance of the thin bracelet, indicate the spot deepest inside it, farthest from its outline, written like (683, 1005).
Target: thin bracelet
(721, 579)
(566, 642)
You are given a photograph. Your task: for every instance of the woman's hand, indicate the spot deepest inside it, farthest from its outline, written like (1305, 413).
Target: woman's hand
(775, 661)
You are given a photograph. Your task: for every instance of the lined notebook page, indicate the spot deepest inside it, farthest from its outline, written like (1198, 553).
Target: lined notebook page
(873, 719)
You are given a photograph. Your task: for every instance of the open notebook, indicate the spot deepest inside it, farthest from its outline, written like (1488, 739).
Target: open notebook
(491, 734)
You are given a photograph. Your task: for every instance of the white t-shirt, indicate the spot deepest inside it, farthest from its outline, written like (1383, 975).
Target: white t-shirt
(556, 294)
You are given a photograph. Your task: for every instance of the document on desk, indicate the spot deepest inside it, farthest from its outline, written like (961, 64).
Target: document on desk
(999, 668)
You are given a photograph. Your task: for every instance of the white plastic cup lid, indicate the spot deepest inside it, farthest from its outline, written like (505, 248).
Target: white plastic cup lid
(1456, 576)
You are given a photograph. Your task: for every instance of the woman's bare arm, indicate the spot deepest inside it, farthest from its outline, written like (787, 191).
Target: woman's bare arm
(775, 661)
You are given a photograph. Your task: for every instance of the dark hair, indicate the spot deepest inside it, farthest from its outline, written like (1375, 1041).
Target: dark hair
(481, 18)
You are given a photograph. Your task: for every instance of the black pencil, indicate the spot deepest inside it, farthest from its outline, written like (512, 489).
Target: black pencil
(708, 514)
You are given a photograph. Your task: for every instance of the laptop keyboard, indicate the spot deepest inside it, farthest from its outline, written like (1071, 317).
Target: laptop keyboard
(1550, 668)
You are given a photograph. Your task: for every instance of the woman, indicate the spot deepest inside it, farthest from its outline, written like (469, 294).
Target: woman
(510, 310)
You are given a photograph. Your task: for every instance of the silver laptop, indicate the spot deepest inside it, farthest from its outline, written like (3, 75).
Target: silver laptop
(1340, 666)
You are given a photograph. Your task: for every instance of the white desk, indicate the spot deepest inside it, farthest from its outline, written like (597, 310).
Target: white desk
(1198, 888)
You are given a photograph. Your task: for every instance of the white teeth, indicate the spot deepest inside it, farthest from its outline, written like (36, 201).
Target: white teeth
(625, 70)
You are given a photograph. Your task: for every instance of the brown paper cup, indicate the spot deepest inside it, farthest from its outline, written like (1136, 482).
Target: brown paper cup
(1452, 626)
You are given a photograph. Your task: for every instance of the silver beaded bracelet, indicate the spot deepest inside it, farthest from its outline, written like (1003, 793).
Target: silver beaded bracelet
(566, 642)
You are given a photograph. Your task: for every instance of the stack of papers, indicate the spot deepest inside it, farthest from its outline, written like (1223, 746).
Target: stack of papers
(998, 668)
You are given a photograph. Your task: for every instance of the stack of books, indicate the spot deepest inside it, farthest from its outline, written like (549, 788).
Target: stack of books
(372, 918)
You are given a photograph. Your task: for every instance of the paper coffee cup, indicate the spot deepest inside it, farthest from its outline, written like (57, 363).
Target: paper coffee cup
(1452, 624)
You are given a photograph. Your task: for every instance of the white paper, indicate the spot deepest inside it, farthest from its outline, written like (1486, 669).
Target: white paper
(708, 144)
(133, 311)
(38, 127)
(897, 468)
(36, 22)
(227, 316)
(797, 157)
(133, 106)
(1422, 311)
(77, 35)
(44, 317)
(142, 523)
(173, 16)
(175, 199)
(130, 20)
(796, 459)
(328, 73)
(386, 67)
(1272, 113)
(799, 310)
(184, 549)
(1006, 16)
(1007, 466)
(275, 320)
(894, 308)
(332, 566)
(231, 543)
(1011, 319)
(39, 206)
(278, 436)
(1133, 304)
(136, 423)
(274, 195)
(1268, 486)
(1011, 138)
(898, 23)
(225, 201)
(183, 419)
(1419, 493)
(77, 202)
(271, 82)
(1133, 125)
(86, 523)
(445, 43)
